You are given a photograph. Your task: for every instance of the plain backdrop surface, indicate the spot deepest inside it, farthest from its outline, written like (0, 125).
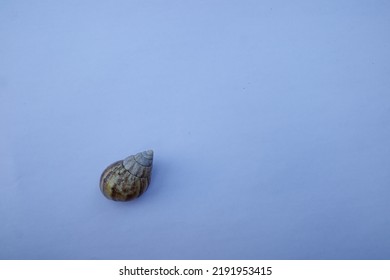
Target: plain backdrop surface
(270, 123)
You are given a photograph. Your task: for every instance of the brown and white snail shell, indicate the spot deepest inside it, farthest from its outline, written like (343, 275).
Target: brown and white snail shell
(129, 178)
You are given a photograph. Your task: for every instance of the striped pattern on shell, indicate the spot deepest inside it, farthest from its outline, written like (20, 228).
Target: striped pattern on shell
(129, 178)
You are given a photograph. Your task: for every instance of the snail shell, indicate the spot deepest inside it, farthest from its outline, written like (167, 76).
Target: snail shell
(129, 178)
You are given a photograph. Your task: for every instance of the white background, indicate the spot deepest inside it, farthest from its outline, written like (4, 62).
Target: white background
(270, 123)
(195, 269)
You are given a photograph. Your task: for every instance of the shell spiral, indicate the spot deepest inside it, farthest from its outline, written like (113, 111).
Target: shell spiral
(129, 178)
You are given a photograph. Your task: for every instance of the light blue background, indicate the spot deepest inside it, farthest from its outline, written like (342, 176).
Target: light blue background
(270, 122)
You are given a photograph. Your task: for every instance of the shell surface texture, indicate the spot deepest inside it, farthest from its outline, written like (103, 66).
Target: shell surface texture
(127, 179)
